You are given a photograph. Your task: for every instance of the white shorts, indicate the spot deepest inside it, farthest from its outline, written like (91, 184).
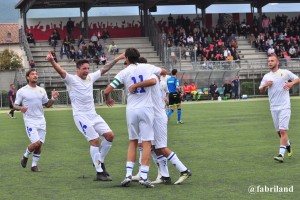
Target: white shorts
(91, 126)
(281, 119)
(160, 132)
(140, 123)
(36, 131)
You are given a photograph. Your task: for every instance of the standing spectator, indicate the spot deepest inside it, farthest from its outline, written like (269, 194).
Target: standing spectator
(236, 85)
(105, 34)
(30, 100)
(12, 97)
(170, 20)
(213, 89)
(227, 89)
(279, 82)
(70, 28)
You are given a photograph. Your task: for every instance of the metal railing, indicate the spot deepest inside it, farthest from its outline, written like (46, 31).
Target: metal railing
(24, 42)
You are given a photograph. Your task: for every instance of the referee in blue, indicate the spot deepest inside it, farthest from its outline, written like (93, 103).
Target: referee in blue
(174, 96)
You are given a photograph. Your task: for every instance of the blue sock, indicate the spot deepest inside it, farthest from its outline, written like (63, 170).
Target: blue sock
(170, 113)
(178, 114)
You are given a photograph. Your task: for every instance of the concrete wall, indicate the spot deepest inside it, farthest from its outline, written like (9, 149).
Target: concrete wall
(6, 78)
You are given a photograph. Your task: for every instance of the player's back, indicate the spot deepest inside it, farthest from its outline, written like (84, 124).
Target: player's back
(135, 73)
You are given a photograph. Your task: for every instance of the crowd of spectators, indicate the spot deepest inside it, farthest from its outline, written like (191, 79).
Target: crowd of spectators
(82, 48)
(201, 44)
(280, 35)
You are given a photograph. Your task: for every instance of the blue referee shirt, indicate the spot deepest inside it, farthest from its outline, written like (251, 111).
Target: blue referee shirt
(172, 84)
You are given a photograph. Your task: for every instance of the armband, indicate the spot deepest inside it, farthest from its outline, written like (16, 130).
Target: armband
(115, 83)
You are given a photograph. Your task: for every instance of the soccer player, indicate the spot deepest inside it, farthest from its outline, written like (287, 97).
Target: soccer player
(139, 112)
(32, 98)
(89, 123)
(162, 152)
(279, 82)
(12, 97)
(174, 96)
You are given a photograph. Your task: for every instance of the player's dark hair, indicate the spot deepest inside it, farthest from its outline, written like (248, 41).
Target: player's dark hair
(79, 63)
(132, 54)
(28, 72)
(142, 60)
(174, 72)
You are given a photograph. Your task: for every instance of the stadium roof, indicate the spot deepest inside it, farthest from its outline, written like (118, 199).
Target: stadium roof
(87, 4)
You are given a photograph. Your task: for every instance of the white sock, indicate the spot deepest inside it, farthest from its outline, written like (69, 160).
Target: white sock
(104, 149)
(163, 166)
(144, 172)
(35, 159)
(176, 162)
(140, 160)
(95, 155)
(27, 153)
(282, 150)
(129, 168)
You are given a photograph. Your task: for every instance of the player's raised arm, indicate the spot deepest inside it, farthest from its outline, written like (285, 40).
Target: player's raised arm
(109, 65)
(55, 65)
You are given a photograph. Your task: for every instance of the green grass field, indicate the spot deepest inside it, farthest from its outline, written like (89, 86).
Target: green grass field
(228, 146)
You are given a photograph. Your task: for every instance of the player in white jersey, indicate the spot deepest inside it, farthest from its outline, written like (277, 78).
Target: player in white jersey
(88, 122)
(30, 100)
(139, 112)
(279, 82)
(162, 152)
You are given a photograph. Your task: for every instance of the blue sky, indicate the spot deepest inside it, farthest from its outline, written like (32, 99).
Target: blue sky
(10, 14)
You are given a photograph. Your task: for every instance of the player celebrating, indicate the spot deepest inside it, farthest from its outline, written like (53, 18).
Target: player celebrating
(32, 98)
(88, 122)
(162, 152)
(278, 85)
(139, 112)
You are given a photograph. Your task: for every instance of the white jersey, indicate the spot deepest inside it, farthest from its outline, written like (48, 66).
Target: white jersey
(81, 92)
(163, 83)
(279, 97)
(137, 73)
(32, 98)
(158, 95)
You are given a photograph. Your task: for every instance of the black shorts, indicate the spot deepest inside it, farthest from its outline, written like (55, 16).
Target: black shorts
(174, 98)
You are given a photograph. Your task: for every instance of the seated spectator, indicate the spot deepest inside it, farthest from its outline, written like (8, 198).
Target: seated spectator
(232, 41)
(213, 90)
(229, 57)
(80, 54)
(251, 39)
(226, 53)
(105, 34)
(94, 39)
(96, 59)
(187, 95)
(32, 64)
(112, 48)
(194, 91)
(99, 48)
(190, 40)
(293, 52)
(64, 50)
(80, 41)
(103, 59)
(227, 88)
(67, 42)
(72, 53)
(91, 50)
(30, 38)
(271, 50)
(52, 41)
(56, 34)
